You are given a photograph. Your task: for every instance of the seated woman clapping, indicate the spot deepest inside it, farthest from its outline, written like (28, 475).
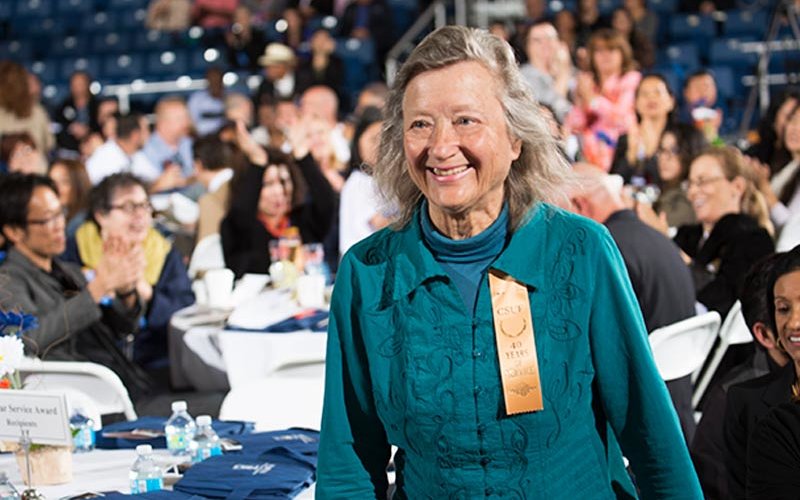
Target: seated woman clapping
(119, 208)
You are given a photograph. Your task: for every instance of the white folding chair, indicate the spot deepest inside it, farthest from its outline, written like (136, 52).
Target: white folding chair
(679, 349)
(733, 331)
(85, 384)
(207, 254)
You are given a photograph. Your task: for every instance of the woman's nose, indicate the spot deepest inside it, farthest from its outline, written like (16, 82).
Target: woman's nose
(443, 141)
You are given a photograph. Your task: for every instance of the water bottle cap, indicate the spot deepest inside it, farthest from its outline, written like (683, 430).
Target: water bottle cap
(179, 406)
(144, 449)
(204, 420)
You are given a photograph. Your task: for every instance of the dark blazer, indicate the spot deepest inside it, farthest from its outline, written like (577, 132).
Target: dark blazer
(245, 240)
(647, 168)
(773, 457)
(747, 403)
(72, 327)
(735, 243)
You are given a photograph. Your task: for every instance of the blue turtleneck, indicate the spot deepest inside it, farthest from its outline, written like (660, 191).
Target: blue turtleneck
(465, 261)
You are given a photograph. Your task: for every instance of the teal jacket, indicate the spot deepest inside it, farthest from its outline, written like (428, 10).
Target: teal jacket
(408, 366)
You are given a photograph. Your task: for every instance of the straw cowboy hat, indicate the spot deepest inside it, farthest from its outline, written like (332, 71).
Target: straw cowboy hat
(277, 53)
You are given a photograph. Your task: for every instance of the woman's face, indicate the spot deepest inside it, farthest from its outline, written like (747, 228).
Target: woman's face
(130, 216)
(60, 175)
(275, 199)
(621, 21)
(607, 60)
(787, 313)
(712, 195)
(669, 162)
(792, 132)
(368, 143)
(456, 141)
(783, 114)
(653, 99)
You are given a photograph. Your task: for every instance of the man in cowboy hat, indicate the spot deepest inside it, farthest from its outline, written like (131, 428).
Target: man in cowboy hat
(279, 63)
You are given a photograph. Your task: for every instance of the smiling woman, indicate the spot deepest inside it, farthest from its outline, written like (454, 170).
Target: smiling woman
(470, 332)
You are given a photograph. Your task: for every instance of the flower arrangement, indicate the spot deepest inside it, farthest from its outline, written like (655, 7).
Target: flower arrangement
(12, 326)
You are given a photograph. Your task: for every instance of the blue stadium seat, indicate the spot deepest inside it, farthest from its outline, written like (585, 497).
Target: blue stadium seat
(403, 14)
(360, 66)
(201, 58)
(729, 82)
(46, 70)
(152, 40)
(167, 64)
(16, 50)
(45, 27)
(72, 45)
(112, 43)
(133, 20)
(75, 7)
(33, 8)
(127, 4)
(99, 22)
(608, 6)
(746, 22)
(6, 10)
(123, 67)
(726, 52)
(54, 94)
(684, 56)
(89, 64)
(663, 6)
(691, 27)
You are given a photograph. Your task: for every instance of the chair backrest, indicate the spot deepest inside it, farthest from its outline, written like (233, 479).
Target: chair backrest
(84, 381)
(679, 349)
(207, 255)
(733, 331)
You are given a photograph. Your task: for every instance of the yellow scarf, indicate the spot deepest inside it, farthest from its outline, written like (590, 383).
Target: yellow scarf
(90, 248)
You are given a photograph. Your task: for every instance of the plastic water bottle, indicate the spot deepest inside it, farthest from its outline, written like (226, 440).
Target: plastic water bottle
(145, 475)
(82, 432)
(7, 490)
(206, 442)
(179, 429)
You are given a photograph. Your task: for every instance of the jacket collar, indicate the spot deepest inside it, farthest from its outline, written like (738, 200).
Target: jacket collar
(780, 389)
(415, 265)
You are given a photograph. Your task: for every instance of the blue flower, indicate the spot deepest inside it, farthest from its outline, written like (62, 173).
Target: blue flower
(16, 323)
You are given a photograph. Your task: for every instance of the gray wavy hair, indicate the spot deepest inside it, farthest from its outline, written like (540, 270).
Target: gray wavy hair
(540, 172)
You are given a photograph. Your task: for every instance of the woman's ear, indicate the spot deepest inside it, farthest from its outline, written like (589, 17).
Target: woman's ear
(764, 335)
(739, 184)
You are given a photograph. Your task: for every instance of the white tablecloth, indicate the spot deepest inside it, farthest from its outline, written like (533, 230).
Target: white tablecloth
(98, 471)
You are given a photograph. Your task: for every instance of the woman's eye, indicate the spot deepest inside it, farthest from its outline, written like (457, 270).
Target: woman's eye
(464, 120)
(781, 310)
(418, 124)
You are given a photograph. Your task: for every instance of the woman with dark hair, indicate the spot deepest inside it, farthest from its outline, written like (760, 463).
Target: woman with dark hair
(360, 207)
(679, 146)
(604, 97)
(782, 192)
(749, 402)
(18, 153)
(770, 148)
(271, 199)
(635, 154)
(643, 50)
(73, 185)
(119, 207)
(18, 110)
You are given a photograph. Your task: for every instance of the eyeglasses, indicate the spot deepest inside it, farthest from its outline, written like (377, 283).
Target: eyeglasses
(667, 151)
(700, 183)
(50, 222)
(131, 208)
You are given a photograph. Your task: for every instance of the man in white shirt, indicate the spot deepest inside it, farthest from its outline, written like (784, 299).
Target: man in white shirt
(123, 154)
(207, 107)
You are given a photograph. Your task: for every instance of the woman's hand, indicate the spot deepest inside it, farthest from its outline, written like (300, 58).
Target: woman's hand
(761, 175)
(634, 139)
(299, 140)
(253, 150)
(585, 88)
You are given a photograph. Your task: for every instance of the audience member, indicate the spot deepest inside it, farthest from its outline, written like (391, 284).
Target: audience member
(206, 107)
(644, 52)
(169, 148)
(733, 229)
(770, 149)
(168, 15)
(213, 13)
(679, 146)
(700, 107)
(279, 72)
(239, 107)
(76, 320)
(212, 169)
(322, 66)
(369, 20)
(123, 154)
(660, 279)
(708, 448)
(589, 20)
(782, 193)
(604, 97)
(265, 131)
(635, 153)
(749, 401)
(270, 199)
(644, 19)
(107, 110)
(320, 105)
(77, 115)
(119, 209)
(73, 186)
(566, 26)
(361, 211)
(244, 42)
(549, 68)
(18, 153)
(18, 110)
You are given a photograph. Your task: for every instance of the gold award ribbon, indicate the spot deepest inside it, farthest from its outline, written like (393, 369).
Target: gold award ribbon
(516, 348)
